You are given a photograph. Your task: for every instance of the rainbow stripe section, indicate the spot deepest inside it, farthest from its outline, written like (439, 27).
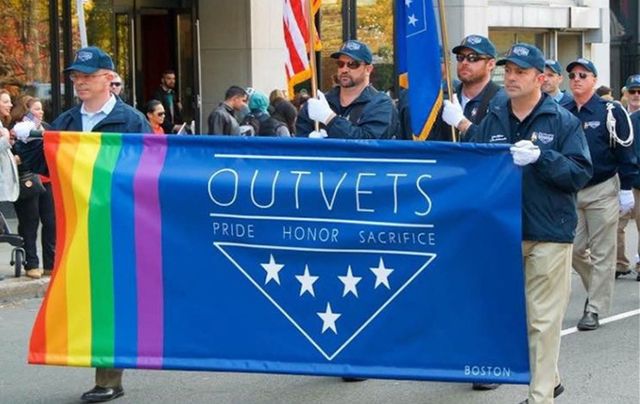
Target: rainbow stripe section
(80, 323)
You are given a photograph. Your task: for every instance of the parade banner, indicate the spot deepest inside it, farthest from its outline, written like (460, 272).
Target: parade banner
(381, 259)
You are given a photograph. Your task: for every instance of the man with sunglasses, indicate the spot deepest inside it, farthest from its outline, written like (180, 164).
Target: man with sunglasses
(353, 109)
(116, 85)
(476, 60)
(92, 73)
(550, 146)
(552, 80)
(606, 196)
(623, 264)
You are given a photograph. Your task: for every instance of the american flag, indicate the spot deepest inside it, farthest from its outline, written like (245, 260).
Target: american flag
(296, 37)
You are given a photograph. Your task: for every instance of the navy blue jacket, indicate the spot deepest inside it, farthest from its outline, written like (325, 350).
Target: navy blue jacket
(377, 117)
(122, 119)
(635, 122)
(607, 161)
(549, 185)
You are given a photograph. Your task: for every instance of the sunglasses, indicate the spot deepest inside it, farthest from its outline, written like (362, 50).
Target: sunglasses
(114, 84)
(634, 92)
(354, 64)
(161, 113)
(573, 76)
(470, 57)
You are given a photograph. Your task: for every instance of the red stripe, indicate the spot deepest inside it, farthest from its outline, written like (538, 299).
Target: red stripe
(297, 64)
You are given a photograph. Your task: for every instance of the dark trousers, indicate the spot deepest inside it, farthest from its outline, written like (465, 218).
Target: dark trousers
(30, 212)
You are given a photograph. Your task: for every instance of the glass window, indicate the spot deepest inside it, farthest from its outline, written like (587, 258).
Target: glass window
(331, 35)
(25, 59)
(375, 28)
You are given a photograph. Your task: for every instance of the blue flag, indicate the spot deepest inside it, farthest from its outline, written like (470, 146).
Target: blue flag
(418, 60)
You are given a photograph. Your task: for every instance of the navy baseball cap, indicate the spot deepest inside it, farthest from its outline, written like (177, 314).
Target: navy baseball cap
(90, 60)
(586, 63)
(633, 81)
(477, 43)
(554, 65)
(356, 50)
(524, 55)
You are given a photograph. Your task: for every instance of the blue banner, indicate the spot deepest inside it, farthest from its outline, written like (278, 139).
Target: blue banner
(376, 259)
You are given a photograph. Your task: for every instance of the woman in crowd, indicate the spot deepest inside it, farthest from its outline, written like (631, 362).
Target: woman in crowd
(285, 115)
(9, 187)
(35, 204)
(155, 115)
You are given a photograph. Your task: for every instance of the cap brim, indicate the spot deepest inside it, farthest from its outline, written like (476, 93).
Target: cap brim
(459, 48)
(336, 55)
(519, 62)
(571, 65)
(552, 68)
(81, 68)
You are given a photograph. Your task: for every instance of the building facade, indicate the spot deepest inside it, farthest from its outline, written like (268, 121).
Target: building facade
(212, 44)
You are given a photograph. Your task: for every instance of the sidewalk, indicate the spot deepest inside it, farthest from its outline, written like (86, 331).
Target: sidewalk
(12, 288)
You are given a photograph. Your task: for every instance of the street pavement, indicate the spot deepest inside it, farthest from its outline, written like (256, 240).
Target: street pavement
(601, 366)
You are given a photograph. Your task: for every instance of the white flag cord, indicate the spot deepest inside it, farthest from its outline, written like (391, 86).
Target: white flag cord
(82, 27)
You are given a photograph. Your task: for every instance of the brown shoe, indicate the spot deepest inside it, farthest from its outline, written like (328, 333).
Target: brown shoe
(47, 272)
(34, 273)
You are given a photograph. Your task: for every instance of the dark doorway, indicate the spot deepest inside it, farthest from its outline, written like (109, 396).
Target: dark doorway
(157, 37)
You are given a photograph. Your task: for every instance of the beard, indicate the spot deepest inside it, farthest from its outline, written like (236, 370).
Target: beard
(346, 81)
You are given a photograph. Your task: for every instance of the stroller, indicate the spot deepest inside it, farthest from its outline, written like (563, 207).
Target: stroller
(17, 254)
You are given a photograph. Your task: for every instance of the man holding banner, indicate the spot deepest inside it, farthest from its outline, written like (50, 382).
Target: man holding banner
(100, 111)
(354, 109)
(550, 146)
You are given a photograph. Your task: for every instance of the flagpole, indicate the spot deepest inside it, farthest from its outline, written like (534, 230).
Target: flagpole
(447, 59)
(312, 56)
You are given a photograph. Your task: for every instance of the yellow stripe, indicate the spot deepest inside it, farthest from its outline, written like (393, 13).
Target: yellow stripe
(426, 130)
(78, 270)
(403, 80)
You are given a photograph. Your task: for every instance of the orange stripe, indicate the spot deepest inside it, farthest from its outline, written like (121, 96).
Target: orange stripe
(57, 313)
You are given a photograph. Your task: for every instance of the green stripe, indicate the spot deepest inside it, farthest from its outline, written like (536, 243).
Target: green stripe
(100, 253)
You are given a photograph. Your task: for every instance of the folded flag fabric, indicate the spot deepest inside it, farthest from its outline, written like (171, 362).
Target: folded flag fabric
(327, 257)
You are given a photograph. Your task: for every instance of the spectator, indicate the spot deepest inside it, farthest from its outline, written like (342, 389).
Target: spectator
(34, 207)
(155, 115)
(222, 120)
(166, 94)
(282, 122)
(9, 187)
(117, 85)
(300, 99)
(259, 115)
(604, 92)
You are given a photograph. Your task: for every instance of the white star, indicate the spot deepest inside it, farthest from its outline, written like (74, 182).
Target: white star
(413, 20)
(408, 3)
(272, 270)
(306, 282)
(382, 275)
(329, 319)
(350, 283)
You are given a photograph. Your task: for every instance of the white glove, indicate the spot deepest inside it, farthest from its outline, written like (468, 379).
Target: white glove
(23, 129)
(452, 112)
(626, 201)
(319, 109)
(525, 152)
(318, 134)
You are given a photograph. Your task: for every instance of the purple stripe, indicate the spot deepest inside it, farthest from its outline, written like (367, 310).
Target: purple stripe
(148, 231)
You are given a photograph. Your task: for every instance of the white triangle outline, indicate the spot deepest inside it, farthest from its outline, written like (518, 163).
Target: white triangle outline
(430, 257)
